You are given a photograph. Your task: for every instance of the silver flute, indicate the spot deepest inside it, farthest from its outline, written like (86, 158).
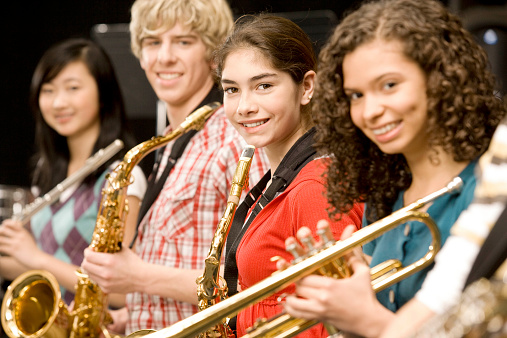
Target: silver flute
(91, 164)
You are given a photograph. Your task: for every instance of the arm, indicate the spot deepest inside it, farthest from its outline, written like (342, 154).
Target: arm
(408, 319)
(17, 243)
(125, 272)
(10, 268)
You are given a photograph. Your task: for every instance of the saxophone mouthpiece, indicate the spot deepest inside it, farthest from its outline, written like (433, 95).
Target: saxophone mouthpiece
(248, 152)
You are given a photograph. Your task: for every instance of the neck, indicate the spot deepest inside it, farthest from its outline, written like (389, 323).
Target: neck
(80, 149)
(428, 177)
(176, 113)
(275, 152)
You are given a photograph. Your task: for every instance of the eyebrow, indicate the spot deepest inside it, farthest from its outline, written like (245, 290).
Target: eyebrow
(253, 79)
(66, 80)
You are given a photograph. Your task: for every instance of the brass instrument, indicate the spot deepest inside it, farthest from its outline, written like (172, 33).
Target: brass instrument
(33, 307)
(201, 321)
(91, 164)
(90, 303)
(32, 302)
(211, 287)
(480, 312)
(89, 316)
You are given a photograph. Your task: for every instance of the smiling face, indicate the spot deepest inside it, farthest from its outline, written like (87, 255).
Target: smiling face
(387, 94)
(263, 103)
(70, 102)
(176, 66)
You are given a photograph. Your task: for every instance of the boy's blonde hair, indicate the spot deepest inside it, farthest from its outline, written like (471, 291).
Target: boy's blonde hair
(210, 19)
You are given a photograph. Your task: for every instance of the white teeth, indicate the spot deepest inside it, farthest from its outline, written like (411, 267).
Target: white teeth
(385, 129)
(255, 124)
(165, 76)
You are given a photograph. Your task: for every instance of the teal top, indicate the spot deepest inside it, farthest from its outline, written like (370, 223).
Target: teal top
(410, 241)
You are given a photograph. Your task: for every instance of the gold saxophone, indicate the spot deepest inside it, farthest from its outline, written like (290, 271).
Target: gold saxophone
(90, 316)
(211, 287)
(316, 263)
(481, 311)
(33, 299)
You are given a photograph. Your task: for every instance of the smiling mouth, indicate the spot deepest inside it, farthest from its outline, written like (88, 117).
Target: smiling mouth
(165, 76)
(63, 116)
(385, 129)
(254, 124)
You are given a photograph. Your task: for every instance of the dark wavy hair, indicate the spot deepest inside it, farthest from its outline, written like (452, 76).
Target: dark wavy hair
(463, 110)
(287, 47)
(51, 158)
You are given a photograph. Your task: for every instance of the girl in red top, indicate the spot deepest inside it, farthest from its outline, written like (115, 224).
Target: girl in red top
(267, 72)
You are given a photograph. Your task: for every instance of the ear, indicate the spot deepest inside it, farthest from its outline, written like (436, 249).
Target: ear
(308, 87)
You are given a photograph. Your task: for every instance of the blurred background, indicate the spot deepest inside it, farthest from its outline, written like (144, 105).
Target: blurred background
(30, 28)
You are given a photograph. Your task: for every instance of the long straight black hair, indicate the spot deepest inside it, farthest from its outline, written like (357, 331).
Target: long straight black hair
(51, 158)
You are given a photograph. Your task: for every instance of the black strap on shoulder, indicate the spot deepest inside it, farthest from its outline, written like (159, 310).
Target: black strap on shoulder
(300, 154)
(493, 252)
(155, 185)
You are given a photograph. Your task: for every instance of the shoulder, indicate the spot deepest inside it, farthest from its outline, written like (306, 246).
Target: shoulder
(309, 183)
(313, 171)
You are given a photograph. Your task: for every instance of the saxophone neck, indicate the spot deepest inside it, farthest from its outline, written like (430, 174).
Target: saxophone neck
(209, 282)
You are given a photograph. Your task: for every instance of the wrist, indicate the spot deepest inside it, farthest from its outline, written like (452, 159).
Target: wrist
(377, 322)
(40, 261)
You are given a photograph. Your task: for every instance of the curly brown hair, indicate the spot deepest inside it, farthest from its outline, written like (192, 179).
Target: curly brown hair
(463, 110)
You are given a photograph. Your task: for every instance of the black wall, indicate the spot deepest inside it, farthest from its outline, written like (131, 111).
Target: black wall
(28, 29)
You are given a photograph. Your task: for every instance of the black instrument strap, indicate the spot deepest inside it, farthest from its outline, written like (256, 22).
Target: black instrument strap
(493, 252)
(300, 154)
(155, 185)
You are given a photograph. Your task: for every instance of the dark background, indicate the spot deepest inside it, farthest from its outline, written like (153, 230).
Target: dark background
(30, 28)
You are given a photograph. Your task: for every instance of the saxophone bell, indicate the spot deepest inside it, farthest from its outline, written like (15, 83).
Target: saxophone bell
(32, 307)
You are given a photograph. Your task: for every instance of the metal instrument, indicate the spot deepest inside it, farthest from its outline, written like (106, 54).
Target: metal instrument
(211, 287)
(31, 302)
(480, 312)
(33, 298)
(89, 316)
(91, 164)
(201, 321)
(12, 200)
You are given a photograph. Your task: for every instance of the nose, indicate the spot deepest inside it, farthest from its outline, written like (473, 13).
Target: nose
(166, 53)
(247, 105)
(60, 99)
(373, 107)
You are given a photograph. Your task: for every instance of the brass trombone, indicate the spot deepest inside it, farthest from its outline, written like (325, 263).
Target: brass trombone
(201, 321)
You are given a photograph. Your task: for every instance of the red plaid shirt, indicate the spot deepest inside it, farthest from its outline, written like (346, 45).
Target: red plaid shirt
(178, 229)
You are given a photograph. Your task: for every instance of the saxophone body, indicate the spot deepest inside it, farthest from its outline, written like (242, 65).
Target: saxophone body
(90, 303)
(481, 311)
(32, 305)
(89, 315)
(211, 287)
